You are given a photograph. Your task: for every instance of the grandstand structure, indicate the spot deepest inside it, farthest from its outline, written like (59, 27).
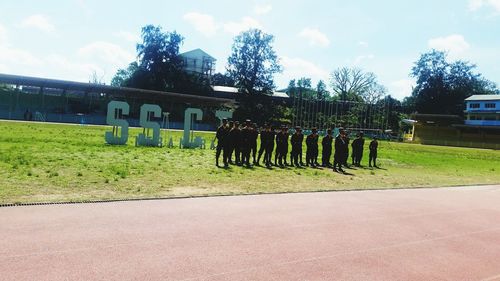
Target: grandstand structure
(54, 100)
(480, 128)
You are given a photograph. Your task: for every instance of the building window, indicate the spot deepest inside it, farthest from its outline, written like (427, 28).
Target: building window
(490, 105)
(474, 105)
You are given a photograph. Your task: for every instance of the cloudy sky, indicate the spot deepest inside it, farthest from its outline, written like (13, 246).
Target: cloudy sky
(71, 39)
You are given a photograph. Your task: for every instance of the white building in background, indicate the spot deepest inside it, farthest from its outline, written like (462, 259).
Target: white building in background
(483, 110)
(198, 62)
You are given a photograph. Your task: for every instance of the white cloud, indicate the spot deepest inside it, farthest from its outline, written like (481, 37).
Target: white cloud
(3, 68)
(128, 36)
(454, 44)
(84, 6)
(3, 35)
(315, 37)
(475, 5)
(202, 22)
(400, 89)
(362, 44)
(361, 58)
(297, 67)
(12, 56)
(72, 70)
(106, 52)
(262, 9)
(243, 25)
(40, 22)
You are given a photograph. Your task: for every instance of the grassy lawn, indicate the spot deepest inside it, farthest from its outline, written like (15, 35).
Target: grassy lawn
(48, 162)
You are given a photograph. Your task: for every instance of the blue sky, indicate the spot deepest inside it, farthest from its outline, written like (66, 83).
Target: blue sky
(71, 39)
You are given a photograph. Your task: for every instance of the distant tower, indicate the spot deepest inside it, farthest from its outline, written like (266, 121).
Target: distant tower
(198, 62)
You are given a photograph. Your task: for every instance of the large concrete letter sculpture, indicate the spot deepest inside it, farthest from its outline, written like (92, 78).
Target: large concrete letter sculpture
(186, 142)
(144, 139)
(113, 118)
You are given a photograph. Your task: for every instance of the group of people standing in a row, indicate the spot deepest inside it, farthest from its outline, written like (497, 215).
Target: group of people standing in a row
(241, 140)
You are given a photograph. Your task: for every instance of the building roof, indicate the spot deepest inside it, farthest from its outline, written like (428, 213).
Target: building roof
(280, 95)
(196, 53)
(495, 128)
(225, 89)
(483, 98)
(234, 90)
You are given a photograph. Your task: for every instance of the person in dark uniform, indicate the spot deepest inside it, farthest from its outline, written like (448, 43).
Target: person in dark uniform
(220, 135)
(254, 135)
(315, 149)
(346, 153)
(234, 136)
(340, 146)
(284, 152)
(357, 149)
(327, 148)
(245, 143)
(373, 153)
(312, 148)
(354, 150)
(278, 146)
(264, 136)
(229, 144)
(296, 141)
(281, 147)
(269, 146)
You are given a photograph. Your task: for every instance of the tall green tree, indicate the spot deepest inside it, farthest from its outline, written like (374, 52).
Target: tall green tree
(222, 79)
(322, 90)
(159, 55)
(443, 86)
(304, 83)
(253, 62)
(159, 65)
(123, 76)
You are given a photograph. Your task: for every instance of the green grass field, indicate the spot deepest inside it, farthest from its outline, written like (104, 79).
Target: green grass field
(50, 163)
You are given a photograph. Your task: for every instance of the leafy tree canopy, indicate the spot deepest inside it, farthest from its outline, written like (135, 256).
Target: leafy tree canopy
(304, 87)
(253, 62)
(443, 86)
(222, 79)
(159, 66)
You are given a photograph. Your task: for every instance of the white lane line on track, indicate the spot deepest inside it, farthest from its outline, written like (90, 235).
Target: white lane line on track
(492, 278)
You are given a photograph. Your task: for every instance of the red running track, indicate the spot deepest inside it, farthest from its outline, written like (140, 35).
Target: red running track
(419, 234)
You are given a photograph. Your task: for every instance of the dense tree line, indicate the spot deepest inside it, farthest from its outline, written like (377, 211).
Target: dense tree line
(441, 86)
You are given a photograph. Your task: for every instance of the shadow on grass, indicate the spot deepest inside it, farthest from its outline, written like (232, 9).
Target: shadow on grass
(343, 172)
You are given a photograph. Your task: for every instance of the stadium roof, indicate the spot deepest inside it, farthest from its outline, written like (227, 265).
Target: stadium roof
(98, 88)
(280, 95)
(234, 90)
(483, 98)
(225, 89)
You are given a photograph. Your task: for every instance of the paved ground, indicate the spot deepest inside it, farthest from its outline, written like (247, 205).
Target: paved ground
(424, 234)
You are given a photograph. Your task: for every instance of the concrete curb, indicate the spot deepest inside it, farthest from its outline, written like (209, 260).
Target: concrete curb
(231, 195)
